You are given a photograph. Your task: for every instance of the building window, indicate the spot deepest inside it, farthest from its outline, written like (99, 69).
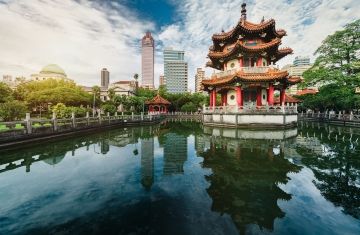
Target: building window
(232, 97)
(232, 65)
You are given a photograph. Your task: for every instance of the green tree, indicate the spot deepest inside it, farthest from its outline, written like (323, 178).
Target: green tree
(13, 110)
(189, 107)
(338, 58)
(5, 93)
(111, 92)
(62, 111)
(109, 107)
(51, 91)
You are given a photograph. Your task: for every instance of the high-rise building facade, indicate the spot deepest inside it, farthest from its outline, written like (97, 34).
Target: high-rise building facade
(147, 61)
(162, 80)
(301, 60)
(105, 78)
(199, 77)
(175, 153)
(175, 71)
(299, 66)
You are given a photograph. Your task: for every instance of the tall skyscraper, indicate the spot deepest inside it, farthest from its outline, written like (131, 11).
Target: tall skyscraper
(199, 76)
(175, 71)
(147, 60)
(105, 78)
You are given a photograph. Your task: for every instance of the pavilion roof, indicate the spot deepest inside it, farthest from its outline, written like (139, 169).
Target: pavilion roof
(272, 75)
(158, 100)
(246, 27)
(306, 91)
(240, 45)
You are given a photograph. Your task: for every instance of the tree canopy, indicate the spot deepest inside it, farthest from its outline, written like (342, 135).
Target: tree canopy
(52, 91)
(338, 59)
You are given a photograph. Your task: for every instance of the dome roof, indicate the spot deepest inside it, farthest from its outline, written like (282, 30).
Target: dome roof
(53, 68)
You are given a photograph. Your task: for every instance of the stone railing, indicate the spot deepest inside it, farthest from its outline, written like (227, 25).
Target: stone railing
(340, 117)
(251, 109)
(29, 128)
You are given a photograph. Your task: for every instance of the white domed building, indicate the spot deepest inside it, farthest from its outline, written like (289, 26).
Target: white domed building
(50, 71)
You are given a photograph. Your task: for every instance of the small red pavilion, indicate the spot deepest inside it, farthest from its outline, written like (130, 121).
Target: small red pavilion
(158, 104)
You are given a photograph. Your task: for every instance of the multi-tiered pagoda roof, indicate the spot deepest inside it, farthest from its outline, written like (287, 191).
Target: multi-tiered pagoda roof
(249, 40)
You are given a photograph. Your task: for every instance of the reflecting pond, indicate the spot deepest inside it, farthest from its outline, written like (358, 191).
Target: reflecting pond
(183, 178)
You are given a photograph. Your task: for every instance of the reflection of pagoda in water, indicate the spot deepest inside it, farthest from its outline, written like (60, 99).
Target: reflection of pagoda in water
(147, 162)
(175, 153)
(244, 180)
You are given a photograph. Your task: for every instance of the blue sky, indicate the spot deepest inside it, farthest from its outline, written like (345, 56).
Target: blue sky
(84, 36)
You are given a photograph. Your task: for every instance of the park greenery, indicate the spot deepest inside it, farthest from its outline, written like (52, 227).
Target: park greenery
(336, 72)
(42, 98)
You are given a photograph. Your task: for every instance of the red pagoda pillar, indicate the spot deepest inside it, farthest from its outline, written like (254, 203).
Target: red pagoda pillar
(241, 62)
(223, 99)
(271, 94)
(258, 97)
(239, 99)
(214, 98)
(210, 99)
(259, 62)
(282, 96)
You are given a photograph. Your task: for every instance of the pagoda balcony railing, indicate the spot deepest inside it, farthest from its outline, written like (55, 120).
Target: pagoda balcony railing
(260, 69)
(250, 110)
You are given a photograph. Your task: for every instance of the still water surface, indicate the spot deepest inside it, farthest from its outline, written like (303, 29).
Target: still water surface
(181, 178)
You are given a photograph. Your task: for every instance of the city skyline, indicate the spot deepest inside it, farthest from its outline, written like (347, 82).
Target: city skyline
(112, 29)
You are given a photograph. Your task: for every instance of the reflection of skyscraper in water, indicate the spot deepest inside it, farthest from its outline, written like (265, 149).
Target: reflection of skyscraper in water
(199, 143)
(105, 147)
(175, 154)
(147, 162)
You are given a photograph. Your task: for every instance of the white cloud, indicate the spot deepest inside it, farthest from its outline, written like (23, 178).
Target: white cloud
(81, 37)
(84, 36)
(203, 18)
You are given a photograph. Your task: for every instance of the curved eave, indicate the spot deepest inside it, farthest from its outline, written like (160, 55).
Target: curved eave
(246, 27)
(281, 53)
(292, 80)
(247, 77)
(240, 45)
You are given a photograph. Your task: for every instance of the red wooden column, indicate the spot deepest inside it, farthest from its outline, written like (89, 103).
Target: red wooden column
(214, 98)
(223, 97)
(239, 98)
(271, 94)
(259, 62)
(282, 96)
(210, 98)
(241, 62)
(258, 97)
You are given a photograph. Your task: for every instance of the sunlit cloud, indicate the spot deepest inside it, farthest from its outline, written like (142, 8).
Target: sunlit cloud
(84, 36)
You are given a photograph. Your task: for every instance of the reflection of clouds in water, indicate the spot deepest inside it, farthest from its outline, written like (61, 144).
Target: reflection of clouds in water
(276, 150)
(308, 205)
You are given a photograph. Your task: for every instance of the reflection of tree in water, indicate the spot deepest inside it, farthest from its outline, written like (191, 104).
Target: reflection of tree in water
(337, 170)
(244, 182)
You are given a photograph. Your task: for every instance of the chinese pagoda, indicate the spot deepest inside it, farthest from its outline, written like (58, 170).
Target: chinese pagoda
(246, 56)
